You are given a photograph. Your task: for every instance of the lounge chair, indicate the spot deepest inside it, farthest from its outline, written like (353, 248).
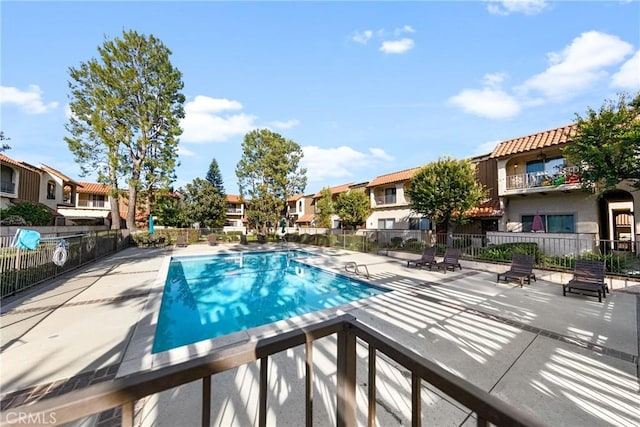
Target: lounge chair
(181, 241)
(213, 240)
(450, 260)
(428, 258)
(588, 276)
(521, 269)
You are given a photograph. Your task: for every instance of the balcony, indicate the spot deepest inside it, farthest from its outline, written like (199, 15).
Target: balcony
(386, 200)
(234, 211)
(565, 178)
(7, 187)
(92, 204)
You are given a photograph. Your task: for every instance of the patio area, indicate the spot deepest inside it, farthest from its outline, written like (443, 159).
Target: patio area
(564, 360)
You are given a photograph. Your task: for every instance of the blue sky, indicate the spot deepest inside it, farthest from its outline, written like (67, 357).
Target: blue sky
(365, 88)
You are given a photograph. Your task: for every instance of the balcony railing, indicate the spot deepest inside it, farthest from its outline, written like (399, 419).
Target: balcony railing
(92, 204)
(124, 392)
(568, 175)
(386, 200)
(7, 187)
(236, 211)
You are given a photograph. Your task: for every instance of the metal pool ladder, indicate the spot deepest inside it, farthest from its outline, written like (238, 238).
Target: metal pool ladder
(353, 267)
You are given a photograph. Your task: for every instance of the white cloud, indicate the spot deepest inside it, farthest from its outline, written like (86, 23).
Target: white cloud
(203, 121)
(324, 164)
(205, 104)
(284, 125)
(379, 153)
(362, 37)
(29, 101)
(491, 101)
(494, 80)
(507, 7)
(404, 29)
(397, 46)
(628, 77)
(182, 151)
(579, 65)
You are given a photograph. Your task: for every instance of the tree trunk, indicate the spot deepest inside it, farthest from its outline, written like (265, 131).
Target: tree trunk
(131, 213)
(114, 194)
(451, 227)
(115, 212)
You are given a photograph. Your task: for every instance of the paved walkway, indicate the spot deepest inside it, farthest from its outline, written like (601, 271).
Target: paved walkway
(567, 361)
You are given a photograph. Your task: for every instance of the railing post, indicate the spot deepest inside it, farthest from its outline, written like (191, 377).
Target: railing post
(416, 400)
(16, 267)
(346, 379)
(206, 400)
(262, 414)
(127, 415)
(371, 419)
(308, 414)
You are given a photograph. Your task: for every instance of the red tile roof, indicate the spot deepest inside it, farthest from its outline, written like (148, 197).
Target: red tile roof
(233, 198)
(335, 190)
(306, 218)
(10, 161)
(295, 198)
(57, 173)
(392, 177)
(534, 141)
(92, 188)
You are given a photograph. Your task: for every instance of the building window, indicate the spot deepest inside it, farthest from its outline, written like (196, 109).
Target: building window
(552, 223)
(51, 190)
(66, 194)
(386, 224)
(419, 224)
(7, 184)
(389, 196)
(97, 200)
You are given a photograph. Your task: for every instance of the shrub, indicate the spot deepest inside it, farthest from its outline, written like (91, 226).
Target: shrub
(504, 251)
(396, 242)
(34, 214)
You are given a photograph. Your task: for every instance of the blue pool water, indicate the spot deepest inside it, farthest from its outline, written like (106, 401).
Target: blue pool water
(207, 297)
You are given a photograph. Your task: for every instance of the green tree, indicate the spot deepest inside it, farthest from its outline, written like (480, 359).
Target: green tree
(125, 113)
(606, 146)
(170, 210)
(215, 177)
(34, 214)
(3, 145)
(204, 204)
(268, 174)
(444, 191)
(353, 207)
(324, 209)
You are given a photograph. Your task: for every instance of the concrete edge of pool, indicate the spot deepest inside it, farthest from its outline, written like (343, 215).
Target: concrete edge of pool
(138, 356)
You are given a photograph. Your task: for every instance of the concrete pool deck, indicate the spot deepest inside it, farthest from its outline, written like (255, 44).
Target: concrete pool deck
(566, 360)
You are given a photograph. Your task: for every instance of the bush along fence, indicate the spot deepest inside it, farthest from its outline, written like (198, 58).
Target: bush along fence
(21, 269)
(553, 253)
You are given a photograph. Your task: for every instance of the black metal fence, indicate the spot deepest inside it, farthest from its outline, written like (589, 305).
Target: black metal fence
(622, 257)
(21, 269)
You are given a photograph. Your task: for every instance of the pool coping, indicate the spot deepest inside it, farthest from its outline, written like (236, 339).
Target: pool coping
(138, 356)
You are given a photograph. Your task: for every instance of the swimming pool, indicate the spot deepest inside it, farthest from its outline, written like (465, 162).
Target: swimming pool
(212, 296)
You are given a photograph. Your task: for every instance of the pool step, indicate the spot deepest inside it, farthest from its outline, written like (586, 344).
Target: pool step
(353, 267)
